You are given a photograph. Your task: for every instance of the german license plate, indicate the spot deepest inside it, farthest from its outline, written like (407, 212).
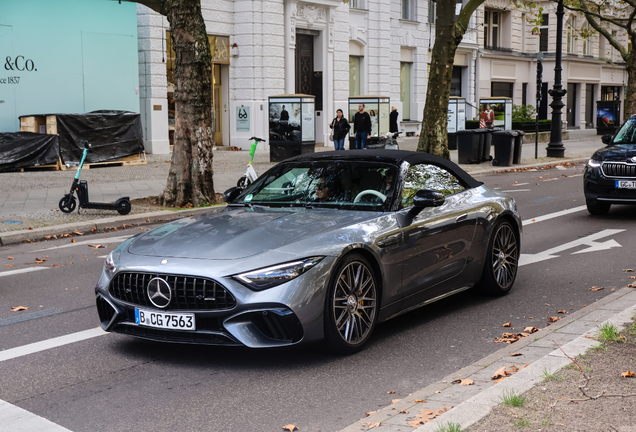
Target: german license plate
(626, 184)
(165, 320)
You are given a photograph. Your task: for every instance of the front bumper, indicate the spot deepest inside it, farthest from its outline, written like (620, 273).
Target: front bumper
(281, 316)
(598, 187)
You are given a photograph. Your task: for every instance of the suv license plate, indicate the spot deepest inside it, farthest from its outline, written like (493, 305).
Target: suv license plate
(626, 184)
(164, 320)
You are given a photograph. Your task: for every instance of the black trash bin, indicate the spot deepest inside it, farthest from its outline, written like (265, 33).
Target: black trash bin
(486, 150)
(468, 150)
(516, 158)
(452, 141)
(504, 142)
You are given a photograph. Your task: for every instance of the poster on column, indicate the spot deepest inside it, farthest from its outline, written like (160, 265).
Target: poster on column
(309, 127)
(243, 119)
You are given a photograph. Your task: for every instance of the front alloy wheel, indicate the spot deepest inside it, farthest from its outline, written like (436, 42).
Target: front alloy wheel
(500, 270)
(352, 306)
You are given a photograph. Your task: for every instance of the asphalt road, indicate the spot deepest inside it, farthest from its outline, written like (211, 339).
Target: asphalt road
(117, 383)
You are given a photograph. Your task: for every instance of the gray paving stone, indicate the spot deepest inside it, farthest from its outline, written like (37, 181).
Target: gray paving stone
(580, 345)
(560, 338)
(599, 315)
(465, 415)
(578, 327)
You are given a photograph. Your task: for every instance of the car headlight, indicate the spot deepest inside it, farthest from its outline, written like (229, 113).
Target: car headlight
(592, 163)
(110, 265)
(269, 277)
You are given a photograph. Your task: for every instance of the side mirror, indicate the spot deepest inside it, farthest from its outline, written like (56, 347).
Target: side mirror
(607, 139)
(231, 194)
(427, 198)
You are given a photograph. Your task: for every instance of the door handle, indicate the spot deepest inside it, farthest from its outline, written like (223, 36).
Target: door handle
(461, 217)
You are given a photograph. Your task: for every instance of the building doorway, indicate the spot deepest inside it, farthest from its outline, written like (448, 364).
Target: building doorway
(571, 106)
(304, 64)
(217, 104)
(589, 106)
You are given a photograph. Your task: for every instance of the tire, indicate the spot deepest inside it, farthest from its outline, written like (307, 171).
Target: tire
(243, 182)
(596, 208)
(67, 204)
(351, 314)
(495, 162)
(502, 259)
(124, 208)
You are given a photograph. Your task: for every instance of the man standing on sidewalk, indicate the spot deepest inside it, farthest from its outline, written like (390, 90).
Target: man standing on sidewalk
(361, 127)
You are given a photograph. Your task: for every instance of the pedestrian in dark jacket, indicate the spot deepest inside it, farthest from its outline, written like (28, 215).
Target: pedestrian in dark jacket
(361, 126)
(341, 128)
(393, 120)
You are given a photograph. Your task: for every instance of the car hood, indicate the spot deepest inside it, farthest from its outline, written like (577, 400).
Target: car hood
(241, 232)
(616, 153)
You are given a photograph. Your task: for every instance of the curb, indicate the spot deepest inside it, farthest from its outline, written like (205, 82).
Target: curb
(470, 404)
(495, 170)
(12, 237)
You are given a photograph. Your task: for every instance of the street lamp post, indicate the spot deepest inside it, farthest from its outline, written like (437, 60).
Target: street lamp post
(555, 148)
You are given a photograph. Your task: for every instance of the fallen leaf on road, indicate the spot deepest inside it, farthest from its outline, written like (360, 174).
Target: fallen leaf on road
(395, 400)
(426, 415)
(620, 336)
(30, 229)
(369, 425)
(507, 324)
(515, 354)
(93, 229)
(467, 382)
(10, 258)
(403, 412)
(438, 391)
(546, 304)
(76, 232)
(11, 265)
(553, 319)
(632, 277)
(457, 381)
(628, 374)
(628, 270)
(96, 246)
(39, 261)
(420, 400)
(595, 288)
(530, 317)
(64, 235)
(19, 308)
(631, 286)
(72, 240)
(391, 392)
(290, 428)
(504, 372)
(370, 412)
(561, 311)
(147, 220)
(530, 329)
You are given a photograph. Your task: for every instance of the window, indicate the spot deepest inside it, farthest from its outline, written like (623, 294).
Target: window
(543, 37)
(408, 10)
(523, 32)
(456, 81)
(355, 72)
(614, 33)
(524, 94)
(405, 89)
(571, 36)
(431, 11)
(357, 4)
(502, 89)
(431, 177)
(491, 29)
(587, 49)
(610, 93)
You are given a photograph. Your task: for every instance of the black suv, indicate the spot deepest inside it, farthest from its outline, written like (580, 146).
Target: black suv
(610, 175)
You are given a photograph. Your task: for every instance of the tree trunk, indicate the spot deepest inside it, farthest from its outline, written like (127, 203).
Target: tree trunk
(630, 97)
(434, 134)
(190, 177)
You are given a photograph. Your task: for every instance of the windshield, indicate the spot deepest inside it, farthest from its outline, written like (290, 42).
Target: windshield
(627, 134)
(347, 185)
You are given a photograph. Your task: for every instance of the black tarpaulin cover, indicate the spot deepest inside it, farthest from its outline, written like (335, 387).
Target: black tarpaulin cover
(26, 149)
(112, 135)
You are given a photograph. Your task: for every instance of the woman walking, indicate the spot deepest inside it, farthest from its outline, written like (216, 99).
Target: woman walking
(393, 120)
(340, 127)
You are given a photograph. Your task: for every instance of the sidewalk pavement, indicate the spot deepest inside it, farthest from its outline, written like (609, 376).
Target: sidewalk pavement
(30, 199)
(470, 403)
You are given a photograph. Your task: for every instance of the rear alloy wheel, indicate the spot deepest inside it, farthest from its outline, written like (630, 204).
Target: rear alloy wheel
(502, 260)
(597, 208)
(351, 307)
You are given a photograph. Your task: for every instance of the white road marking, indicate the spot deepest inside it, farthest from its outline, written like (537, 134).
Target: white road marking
(24, 270)
(85, 242)
(521, 184)
(50, 343)
(560, 167)
(590, 241)
(102, 256)
(553, 215)
(576, 175)
(517, 190)
(16, 419)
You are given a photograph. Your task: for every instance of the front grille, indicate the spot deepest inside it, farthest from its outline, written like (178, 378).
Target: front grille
(619, 169)
(188, 293)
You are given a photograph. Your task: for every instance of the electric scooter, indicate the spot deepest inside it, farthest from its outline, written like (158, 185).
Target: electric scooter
(250, 174)
(391, 142)
(68, 202)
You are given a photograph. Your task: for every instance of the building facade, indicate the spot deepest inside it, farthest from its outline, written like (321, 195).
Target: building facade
(508, 47)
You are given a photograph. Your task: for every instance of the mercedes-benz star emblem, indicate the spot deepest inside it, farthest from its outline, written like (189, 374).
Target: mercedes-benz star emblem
(159, 293)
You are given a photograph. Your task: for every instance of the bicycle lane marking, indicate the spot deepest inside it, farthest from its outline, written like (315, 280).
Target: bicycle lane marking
(553, 215)
(24, 270)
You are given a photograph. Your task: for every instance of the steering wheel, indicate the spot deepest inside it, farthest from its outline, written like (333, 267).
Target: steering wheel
(369, 192)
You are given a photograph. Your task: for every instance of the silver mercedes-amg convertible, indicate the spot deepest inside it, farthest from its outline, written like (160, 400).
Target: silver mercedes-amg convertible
(323, 246)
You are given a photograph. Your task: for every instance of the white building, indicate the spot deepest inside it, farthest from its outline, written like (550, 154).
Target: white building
(592, 69)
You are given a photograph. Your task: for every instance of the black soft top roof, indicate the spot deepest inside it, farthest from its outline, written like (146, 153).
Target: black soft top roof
(395, 157)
